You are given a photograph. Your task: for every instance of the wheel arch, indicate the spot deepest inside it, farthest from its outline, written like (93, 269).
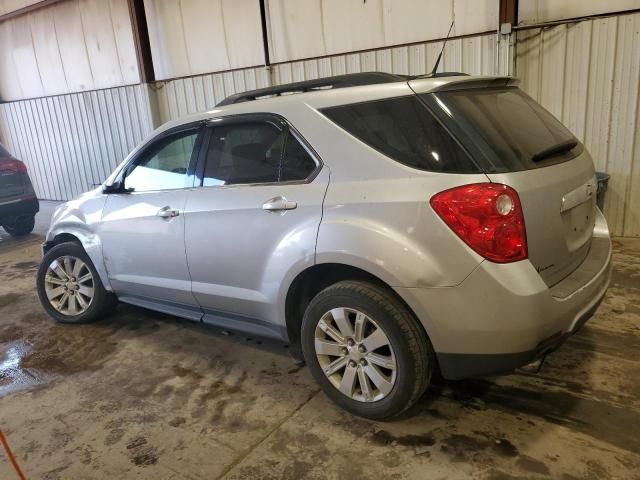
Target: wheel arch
(89, 242)
(316, 278)
(58, 239)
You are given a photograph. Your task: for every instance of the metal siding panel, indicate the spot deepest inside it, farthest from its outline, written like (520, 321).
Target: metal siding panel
(72, 141)
(24, 57)
(576, 79)
(199, 36)
(623, 130)
(100, 43)
(528, 51)
(315, 28)
(599, 94)
(123, 33)
(10, 87)
(244, 45)
(73, 50)
(47, 52)
(534, 11)
(588, 74)
(186, 95)
(553, 55)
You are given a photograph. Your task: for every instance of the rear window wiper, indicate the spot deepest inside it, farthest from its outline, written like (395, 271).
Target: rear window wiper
(554, 150)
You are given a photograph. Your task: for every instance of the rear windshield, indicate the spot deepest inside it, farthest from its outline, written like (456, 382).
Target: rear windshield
(4, 153)
(403, 129)
(511, 130)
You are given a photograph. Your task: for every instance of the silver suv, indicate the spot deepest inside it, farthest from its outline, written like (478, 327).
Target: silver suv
(389, 226)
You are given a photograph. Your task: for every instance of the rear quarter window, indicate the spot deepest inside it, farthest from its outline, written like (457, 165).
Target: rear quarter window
(404, 130)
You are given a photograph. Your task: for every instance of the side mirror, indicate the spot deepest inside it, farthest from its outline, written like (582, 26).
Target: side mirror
(116, 187)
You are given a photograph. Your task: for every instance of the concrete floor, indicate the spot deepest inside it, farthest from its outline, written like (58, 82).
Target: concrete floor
(143, 395)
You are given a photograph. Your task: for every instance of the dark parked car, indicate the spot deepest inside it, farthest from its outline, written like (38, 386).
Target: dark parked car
(18, 202)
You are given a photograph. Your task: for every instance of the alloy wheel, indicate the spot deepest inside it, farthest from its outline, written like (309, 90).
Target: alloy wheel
(69, 285)
(355, 354)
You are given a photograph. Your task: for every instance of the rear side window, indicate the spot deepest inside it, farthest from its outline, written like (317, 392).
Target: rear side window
(241, 154)
(297, 164)
(256, 152)
(511, 129)
(404, 130)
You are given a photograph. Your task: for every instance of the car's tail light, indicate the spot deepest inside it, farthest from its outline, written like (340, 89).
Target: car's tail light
(12, 165)
(487, 217)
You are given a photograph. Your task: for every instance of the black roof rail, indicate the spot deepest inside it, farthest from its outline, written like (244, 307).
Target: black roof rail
(339, 81)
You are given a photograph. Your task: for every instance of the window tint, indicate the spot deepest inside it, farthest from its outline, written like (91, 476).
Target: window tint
(297, 164)
(241, 154)
(403, 129)
(254, 152)
(164, 165)
(513, 130)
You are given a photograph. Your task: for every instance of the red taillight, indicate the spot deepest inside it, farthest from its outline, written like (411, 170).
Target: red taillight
(488, 217)
(12, 165)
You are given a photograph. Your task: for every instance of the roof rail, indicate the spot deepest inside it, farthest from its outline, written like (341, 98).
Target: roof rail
(339, 81)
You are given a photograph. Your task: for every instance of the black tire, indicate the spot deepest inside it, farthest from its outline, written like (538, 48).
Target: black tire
(415, 359)
(21, 226)
(103, 302)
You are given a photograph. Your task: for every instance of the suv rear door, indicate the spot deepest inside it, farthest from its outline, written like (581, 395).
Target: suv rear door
(253, 220)
(520, 144)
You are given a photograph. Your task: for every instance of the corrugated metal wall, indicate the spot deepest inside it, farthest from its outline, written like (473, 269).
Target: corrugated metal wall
(72, 142)
(536, 11)
(588, 75)
(67, 47)
(474, 55)
(177, 98)
(315, 28)
(200, 36)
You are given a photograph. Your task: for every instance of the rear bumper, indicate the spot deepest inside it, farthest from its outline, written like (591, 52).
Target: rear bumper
(10, 209)
(504, 316)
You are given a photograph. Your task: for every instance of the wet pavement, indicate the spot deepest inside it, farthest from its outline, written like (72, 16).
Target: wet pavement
(144, 395)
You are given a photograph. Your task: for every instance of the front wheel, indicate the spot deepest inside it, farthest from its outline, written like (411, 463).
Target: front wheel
(366, 349)
(21, 226)
(69, 287)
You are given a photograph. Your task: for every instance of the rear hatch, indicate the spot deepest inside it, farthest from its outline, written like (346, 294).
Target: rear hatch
(518, 143)
(12, 182)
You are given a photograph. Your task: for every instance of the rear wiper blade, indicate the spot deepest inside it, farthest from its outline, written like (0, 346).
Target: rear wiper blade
(554, 150)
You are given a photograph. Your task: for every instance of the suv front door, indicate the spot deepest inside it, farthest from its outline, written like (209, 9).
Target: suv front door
(142, 228)
(253, 220)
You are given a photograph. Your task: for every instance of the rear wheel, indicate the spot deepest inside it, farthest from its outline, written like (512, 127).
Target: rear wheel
(366, 350)
(69, 287)
(21, 226)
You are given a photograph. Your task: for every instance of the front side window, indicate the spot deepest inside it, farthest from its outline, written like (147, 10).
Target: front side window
(254, 152)
(163, 166)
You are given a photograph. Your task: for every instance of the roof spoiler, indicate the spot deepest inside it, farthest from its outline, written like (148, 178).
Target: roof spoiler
(465, 83)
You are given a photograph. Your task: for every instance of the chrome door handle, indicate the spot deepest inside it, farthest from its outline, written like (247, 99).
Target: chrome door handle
(167, 212)
(279, 203)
